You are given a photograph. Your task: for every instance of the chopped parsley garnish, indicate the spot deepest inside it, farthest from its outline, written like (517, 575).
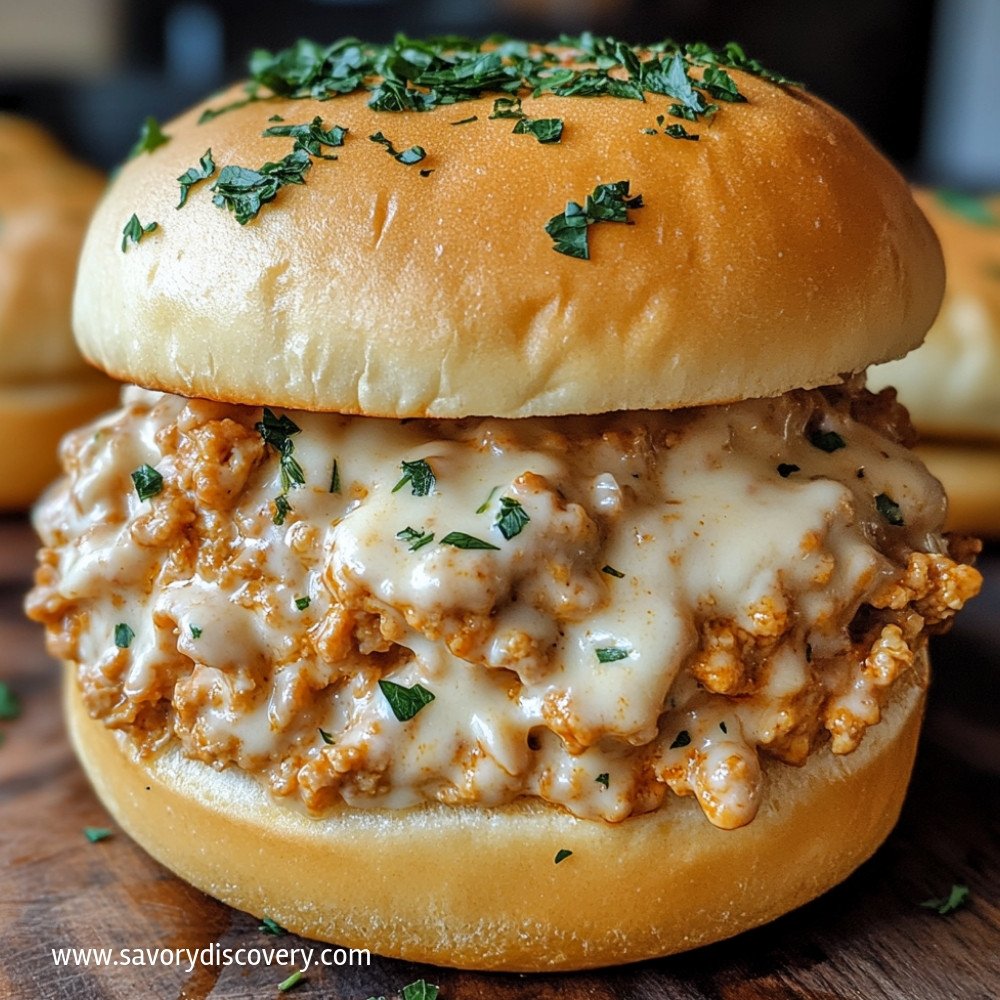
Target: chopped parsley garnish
(294, 979)
(413, 75)
(482, 507)
(722, 726)
(209, 113)
(269, 926)
(405, 702)
(277, 432)
(95, 834)
(609, 654)
(545, 130)
(195, 632)
(426, 173)
(244, 191)
(463, 541)
(682, 739)
(302, 603)
(326, 737)
(417, 539)
(607, 203)
(512, 518)
(151, 137)
(969, 207)
(828, 441)
(678, 131)
(123, 635)
(611, 571)
(889, 509)
(946, 904)
(507, 107)
(603, 779)
(720, 85)
(466, 121)
(147, 481)
(276, 118)
(335, 478)
(420, 990)
(10, 706)
(311, 136)
(419, 475)
(193, 175)
(282, 508)
(785, 469)
(563, 855)
(134, 230)
(408, 156)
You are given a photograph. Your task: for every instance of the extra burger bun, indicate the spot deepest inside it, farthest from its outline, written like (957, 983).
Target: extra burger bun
(372, 288)
(45, 385)
(479, 888)
(951, 384)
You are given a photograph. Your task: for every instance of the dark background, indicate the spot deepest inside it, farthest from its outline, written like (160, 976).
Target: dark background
(99, 66)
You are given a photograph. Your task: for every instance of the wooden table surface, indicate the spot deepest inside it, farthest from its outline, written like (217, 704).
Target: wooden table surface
(868, 939)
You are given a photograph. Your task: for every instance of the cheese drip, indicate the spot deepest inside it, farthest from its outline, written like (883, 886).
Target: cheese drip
(680, 593)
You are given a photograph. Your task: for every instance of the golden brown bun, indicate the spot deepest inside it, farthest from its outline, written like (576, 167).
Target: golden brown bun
(779, 250)
(34, 418)
(951, 385)
(478, 888)
(971, 477)
(45, 202)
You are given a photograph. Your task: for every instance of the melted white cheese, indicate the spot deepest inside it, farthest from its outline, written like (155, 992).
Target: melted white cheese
(729, 573)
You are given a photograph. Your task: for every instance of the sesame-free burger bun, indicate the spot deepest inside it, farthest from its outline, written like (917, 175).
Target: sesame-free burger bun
(477, 887)
(951, 385)
(46, 387)
(46, 199)
(433, 288)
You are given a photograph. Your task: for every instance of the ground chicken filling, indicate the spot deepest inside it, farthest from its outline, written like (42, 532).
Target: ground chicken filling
(589, 610)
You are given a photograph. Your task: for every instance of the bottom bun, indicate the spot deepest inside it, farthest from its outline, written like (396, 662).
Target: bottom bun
(35, 416)
(479, 888)
(971, 477)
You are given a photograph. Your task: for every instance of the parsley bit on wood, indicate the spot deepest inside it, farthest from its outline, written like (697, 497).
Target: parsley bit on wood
(96, 833)
(10, 705)
(269, 926)
(420, 990)
(296, 977)
(947, 904)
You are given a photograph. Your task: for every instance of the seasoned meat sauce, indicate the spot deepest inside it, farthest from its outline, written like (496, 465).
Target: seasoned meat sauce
(679, 594)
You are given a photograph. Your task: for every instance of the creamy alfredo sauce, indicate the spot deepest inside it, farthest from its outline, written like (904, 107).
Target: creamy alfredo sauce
(682, 592)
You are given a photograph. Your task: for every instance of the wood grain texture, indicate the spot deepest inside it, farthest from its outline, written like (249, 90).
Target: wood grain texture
(869, 938)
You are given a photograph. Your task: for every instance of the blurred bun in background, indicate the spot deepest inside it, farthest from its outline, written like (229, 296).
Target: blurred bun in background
(45, 386)
(951, 384)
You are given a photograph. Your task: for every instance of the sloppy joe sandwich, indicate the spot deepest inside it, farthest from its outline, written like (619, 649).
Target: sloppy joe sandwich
(46, 388)
(500, 561)
(951, 384)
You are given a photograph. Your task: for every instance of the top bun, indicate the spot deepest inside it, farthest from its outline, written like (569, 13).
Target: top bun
(779, 250)
(45, 202)
(951, 386)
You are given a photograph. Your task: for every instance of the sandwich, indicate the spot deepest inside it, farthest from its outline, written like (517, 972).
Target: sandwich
(951, 384)
(46, 388)
(498, 560)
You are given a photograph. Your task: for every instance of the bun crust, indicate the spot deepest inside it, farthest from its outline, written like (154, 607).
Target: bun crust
(478, 888)
(374, 289)
(951, 385)
(45, 202)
